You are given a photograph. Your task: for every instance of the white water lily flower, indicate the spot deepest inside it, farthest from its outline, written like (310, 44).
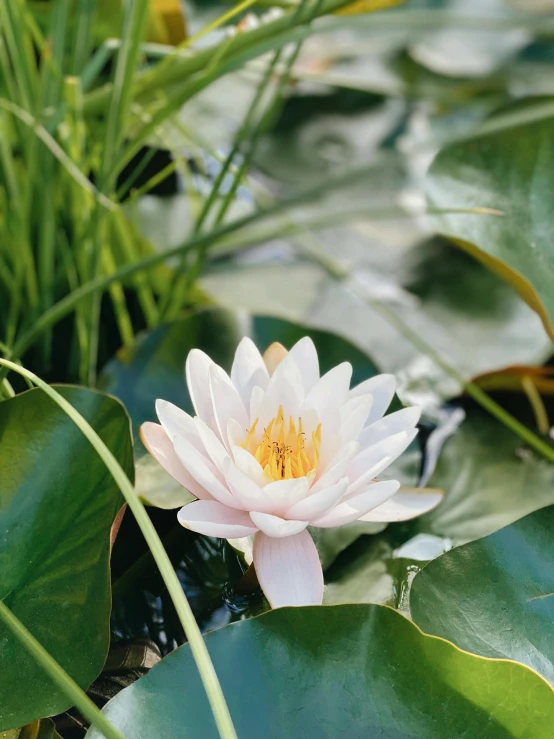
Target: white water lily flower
(275, 448)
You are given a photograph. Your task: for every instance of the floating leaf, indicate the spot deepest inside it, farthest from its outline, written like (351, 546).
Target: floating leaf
(357, 670)
(495, 596)
(57, 505)
(490, 480)
(510, 171)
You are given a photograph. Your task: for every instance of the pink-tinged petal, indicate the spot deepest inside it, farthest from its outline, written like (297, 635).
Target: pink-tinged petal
(248, 370)
(197, 372)
(382, 388)
(248, 495)
(227, 402)
(368, 458)
(289, 570)
(330, 391)
(408, 503)
(273, 356)
(285, 493)
(211, 444)
(161, 448)
(317, 504)
(176, 422)
(276, 526)
(210, 518)
(353, 416)
(356, 507)
(403, 420)
(204, 471)
(249, 465)
(337, 467)
(304, 354)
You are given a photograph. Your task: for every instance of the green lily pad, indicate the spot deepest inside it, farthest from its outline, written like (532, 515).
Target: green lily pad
(490, 480)
(57, 504)
(495, 596)
(348, 671)
(508, 171)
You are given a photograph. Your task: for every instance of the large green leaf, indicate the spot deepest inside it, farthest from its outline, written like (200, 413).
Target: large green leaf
(489, 479)
(57, 504)
(510, 171)
(495, 596)
(348, 671)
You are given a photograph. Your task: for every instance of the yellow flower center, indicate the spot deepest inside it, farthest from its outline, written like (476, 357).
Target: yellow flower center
(283, 452)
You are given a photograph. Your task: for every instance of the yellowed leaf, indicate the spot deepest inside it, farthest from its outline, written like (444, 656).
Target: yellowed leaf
(367, 6)
(167, 23)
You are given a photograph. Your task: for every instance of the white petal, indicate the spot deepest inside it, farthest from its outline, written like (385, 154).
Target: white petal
(357, 506)
(210, 518)
(235, 433)
(337, 468)
(304, 354)
(227, 403)
(249, 465)
(370, 458)
(204, 471)
(197, 371)
(353, 416)
(248, 370)
(316, 504)
(249, 495)
(403, 420)
(285, 493)
(330, 391)
(275, 525)
(289, 570)
(161, 448)
(382, 388)
(408, 503)
(256, 400)
(285, 388)
(211, 443)
(176, 422)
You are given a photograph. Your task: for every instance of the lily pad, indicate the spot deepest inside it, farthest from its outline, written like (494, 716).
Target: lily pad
(378, 675)
(490, 480)
(495, 596)
(509, 171)
(57, 504)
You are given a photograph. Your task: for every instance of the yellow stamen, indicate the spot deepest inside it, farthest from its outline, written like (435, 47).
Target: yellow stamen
(282, 451)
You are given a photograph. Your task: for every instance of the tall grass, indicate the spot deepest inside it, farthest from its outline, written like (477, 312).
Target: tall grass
(73, 117)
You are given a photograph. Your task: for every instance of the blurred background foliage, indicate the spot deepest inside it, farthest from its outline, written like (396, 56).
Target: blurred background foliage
(179, 174)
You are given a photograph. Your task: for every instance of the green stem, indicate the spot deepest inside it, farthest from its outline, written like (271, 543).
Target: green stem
(182, 607)
(74, 693)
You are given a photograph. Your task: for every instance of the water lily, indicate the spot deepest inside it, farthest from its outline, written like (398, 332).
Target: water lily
(274, 448)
